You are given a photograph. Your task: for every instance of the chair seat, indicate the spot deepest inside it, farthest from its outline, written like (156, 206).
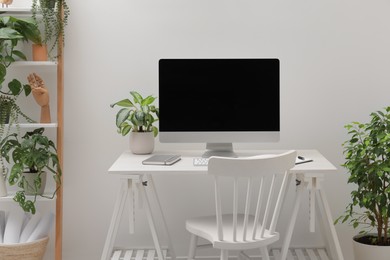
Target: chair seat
(206, 228)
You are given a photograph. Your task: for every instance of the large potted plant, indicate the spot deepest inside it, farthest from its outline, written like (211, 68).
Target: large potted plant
(53, 16)
(33, 156)
(137, 117)
(367, 159)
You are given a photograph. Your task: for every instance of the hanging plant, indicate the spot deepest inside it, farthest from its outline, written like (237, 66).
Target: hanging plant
(54, 19)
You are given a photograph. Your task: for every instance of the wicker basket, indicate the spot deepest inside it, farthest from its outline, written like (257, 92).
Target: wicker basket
(26, 251)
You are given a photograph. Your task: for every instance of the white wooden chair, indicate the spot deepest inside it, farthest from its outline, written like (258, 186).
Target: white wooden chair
(252, 224)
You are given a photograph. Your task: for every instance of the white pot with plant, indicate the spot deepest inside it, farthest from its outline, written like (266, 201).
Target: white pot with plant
(136, 118)
(367, 159)
(35, 154)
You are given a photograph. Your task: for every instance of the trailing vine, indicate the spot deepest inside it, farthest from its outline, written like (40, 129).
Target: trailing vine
(55, 14)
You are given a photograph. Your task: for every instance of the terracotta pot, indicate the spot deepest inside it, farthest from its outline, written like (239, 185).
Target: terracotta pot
(369, 252)
(30, 177)
(141, 142)
(39, 52)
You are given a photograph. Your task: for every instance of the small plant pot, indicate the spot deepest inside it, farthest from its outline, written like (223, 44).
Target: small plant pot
(30, 177)
(141, 142)
(39, 52)
(364, 252)
(27, 251)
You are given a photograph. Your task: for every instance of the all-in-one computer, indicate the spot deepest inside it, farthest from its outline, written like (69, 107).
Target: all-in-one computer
(219, 101)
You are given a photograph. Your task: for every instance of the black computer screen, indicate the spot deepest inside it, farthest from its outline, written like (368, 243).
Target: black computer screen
(219, 95)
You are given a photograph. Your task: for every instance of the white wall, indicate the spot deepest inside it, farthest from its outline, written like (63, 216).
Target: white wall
(334, 69)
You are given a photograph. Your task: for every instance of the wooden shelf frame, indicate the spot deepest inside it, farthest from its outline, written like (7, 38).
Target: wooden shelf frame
(60, 145)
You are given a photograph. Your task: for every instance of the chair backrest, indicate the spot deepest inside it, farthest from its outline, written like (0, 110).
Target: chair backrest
(259, 174)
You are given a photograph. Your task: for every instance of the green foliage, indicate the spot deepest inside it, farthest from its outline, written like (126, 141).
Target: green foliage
(367, 159)
(13, 30)
(9, 109)
(54, 17)
(137, 115)
(34, 153)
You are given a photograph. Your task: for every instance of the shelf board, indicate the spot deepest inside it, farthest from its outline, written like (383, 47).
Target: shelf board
(35, 125)
(10, 197)
(15, 10)
(33, 63)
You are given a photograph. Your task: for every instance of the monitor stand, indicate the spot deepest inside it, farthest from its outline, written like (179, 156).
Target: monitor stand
(219, 149)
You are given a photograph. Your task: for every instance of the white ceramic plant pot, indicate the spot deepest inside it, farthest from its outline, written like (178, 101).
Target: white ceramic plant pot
(370, 252)
(30, 177)
(3, 187)
(141, 142)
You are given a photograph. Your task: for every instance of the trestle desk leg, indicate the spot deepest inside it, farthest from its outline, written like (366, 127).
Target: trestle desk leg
(154, 191)
(312, 203)
(290, 229)
(329, 226)
(115, 219)
(151, 221)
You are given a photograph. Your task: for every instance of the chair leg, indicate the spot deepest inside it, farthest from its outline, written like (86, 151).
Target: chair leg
(264, 253)
(224, 255)
(193, 243)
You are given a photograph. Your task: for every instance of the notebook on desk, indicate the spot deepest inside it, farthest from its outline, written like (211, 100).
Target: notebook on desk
(162, 159)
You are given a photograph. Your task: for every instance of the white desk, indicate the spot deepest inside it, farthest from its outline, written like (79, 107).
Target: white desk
(135, 176)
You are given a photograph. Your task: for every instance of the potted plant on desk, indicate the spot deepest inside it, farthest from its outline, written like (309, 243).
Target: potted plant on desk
(367, 159)
(137, 117)
(31, 155)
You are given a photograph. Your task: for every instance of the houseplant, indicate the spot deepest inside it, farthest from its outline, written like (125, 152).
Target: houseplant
(367, 159)
(13, 30)
(54, 18)
(10, 111)
(137, 117)
(31, 156)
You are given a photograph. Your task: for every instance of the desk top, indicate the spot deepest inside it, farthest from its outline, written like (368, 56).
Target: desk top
(131, 164)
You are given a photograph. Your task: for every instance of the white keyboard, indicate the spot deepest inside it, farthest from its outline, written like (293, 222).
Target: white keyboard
(200, 161)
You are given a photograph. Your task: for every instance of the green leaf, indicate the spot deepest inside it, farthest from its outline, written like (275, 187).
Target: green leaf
(123, 103)
(9, 34)
(139, 117)
(145, 109)
(15, 87)
(126, 129)
(355, 224)
(148, 100)
(27, 89)
(155, 131)
(19, 54)
(3, 72)
(122, 116)
(137, 97)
